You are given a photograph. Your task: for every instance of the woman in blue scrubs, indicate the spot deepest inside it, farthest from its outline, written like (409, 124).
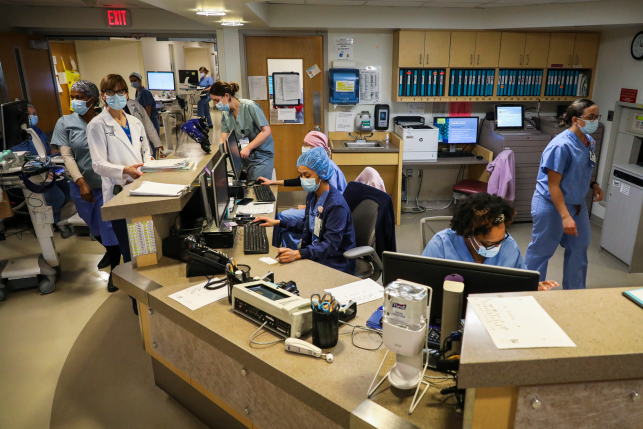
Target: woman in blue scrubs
(145, 98)
(70, 134)
(478, 234)
(327, 227)
(558, 206)
(203, 106)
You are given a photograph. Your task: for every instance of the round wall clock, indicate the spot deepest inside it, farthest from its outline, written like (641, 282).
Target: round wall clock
(637, 47)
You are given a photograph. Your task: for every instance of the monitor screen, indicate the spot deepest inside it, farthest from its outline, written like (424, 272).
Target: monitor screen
(478, 278)
(219, 186)
(15, 118)
(509, 117)
(269, 293)
(460, 130)
(189, 76)
(160, 81)
(232, 147)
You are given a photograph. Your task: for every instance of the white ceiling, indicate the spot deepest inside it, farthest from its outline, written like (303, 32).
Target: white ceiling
(129, 4)
(428, 3)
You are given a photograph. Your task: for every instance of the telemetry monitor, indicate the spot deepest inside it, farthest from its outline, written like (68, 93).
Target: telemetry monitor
(457, 130)
(189, 76)
(219, 187)
(510, 117)
(15, 120)
(160, 81)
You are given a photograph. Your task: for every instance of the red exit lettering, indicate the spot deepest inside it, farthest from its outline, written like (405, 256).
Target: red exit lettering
(117, 18)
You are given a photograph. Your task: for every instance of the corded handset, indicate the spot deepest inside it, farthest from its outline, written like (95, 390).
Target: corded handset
(203, 261)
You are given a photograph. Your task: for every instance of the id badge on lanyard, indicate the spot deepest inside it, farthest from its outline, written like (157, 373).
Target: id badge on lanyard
(592, 157)
(142, 151)
(318, 222)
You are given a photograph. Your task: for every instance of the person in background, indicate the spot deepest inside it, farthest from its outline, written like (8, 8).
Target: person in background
(280, 237)
(558, 207)
(327, 228)
(134, 108)
(28, 144)
(145, 99)
(478, 234)
(203, 106)
(371, 177)
(70, 134)
(250, 126)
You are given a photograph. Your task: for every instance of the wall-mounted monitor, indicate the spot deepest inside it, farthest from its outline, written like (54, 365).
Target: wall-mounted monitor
(160, 81)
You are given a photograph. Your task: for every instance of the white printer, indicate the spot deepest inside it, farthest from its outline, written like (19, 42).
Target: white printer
(420, 141)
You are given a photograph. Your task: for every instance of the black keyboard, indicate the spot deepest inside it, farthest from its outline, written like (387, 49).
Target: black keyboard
(434, 338)
(263, 194)
(255, 239)
(458, 154)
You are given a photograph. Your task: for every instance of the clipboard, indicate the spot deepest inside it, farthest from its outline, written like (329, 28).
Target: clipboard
(632, 296)
(277, 84)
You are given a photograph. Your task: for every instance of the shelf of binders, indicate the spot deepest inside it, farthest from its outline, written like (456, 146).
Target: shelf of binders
(421, 83)
(568, 83)
(519, 83)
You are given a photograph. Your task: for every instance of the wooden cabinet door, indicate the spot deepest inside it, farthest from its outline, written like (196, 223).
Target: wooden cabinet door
(536, 50)
(487, 49)
(411, 49)
(586, 50)
(463, 49)
(512, 50)
(437, 45)
(561, 50)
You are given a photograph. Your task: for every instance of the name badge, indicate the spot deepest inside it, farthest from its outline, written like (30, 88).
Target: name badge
(592, 157)
(245, 141)
(318, 226)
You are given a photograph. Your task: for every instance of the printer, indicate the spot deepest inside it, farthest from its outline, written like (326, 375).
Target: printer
(420, 141)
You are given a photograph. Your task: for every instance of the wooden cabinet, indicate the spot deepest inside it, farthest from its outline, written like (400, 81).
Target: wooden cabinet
(512, 50)
(437, 45)
(536, 50)
(463, 48)
(487, 49)
(586, 50)
(561, 50)
(411, 48)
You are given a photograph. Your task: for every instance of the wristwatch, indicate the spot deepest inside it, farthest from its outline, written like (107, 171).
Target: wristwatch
(591, 185)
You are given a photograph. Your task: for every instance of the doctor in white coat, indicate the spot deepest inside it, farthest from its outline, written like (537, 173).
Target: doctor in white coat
(118, 146)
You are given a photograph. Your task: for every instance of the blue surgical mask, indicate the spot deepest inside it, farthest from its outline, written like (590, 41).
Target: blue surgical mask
(590, 126)
(116, 102)
(310, 185)
(202, 74)
(305, 149)
(33, 120)
(222, 107)
(135, 84)
(79, 106)
(483, 251)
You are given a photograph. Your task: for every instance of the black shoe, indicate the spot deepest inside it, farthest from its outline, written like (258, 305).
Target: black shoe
(110, 285)
(134, 306)
(104, 263)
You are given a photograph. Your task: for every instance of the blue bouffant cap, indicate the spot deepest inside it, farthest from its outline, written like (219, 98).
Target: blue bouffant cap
(317, 160)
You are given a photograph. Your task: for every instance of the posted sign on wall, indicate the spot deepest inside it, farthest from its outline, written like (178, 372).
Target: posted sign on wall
(118, 17)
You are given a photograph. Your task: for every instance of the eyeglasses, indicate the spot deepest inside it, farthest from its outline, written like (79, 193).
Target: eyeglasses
(491, 246)
(111, 92)
(591, 118)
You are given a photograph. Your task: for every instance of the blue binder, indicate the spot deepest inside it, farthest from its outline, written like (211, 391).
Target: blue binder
(530, 82)
(423, 82)
(481, 82)
(576, 76)
(408, 82)
(561, 78)
(460, 82)
(415, 83)
(400, 93)
(501, 82)
(441, 83)
(452, 87)
(472, 82)
(434, 84)
(491, 82)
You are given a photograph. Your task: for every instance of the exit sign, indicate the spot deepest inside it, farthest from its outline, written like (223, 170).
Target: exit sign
(118, 17)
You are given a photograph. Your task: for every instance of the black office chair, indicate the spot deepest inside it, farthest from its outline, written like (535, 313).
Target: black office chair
(368, 264)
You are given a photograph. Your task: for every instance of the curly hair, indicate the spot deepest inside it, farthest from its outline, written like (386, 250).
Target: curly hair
(478, 213)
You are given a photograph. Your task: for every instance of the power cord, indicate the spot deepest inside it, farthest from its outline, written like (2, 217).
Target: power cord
(365, 329)
(252, 341)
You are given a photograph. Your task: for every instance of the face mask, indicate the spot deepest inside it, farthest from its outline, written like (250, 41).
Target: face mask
(590, 126)
(79, 106)
(483, 251)
(33, 120)
(310, 185)
(305, 149)
(202, 74)
(116, 102)
(222, 107)
(135, 84)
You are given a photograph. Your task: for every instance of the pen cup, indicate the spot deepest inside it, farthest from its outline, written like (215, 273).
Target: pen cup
(241, 275)
(325, 329)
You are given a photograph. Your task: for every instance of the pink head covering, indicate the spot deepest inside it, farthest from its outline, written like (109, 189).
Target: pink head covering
(317, 139)
(371, 177)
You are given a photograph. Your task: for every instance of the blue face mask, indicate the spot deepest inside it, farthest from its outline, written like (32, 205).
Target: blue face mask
(135, 84)
(590, 126)
(222, 107)
(310, 185)
(116, 102)
(33, 120)
(202, 74)
(483, 251)
(79, 106)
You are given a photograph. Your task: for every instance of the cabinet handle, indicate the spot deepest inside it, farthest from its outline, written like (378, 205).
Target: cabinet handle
(576, 59)
(527, 60)
(471, 61)
(478, 63)
(427, 59)
(420, 59)
(521, 60)
(570, 60)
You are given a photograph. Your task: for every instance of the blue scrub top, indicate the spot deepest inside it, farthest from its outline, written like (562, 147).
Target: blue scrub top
(337, 180)
(145, 98)
(248, 123)
(27, 145)
(206, 82)
(314, 209)
(566, 154)
(447, 244)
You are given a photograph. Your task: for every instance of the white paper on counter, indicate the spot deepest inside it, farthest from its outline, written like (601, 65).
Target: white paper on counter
(197, 296)
(286, 114)
(361, 292)
(519, 323)
(344, 122)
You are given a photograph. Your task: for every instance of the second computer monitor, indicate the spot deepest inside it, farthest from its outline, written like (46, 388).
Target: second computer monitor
(232, 147)
(510, 117)
(478, 278)
(189, 76)
(219, 187)
(457, 130)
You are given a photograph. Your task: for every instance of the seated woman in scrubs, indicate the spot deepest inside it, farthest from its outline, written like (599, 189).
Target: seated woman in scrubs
(280, 237)
(478, 234)
(327, 227)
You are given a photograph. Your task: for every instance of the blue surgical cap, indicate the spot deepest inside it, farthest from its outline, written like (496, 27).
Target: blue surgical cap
(317, 160)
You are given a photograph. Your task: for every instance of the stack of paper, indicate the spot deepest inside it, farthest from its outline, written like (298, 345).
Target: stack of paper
(164, 165)
(153, 189)
(258, 208)
(361, 292)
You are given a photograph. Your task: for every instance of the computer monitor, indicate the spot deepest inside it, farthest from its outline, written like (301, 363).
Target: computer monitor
(192, 76)
(232, 148)
(160, 81)
(457, 130)
(478, 278)
(219, 189)
(15, 120)
(510, 117)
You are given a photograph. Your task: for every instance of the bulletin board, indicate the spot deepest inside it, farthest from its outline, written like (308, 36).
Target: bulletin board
(286, 89)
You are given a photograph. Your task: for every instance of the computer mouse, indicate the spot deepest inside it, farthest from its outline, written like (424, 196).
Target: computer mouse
(479, 157)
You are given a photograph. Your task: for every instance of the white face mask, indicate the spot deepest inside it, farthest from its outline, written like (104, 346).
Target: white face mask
(305, 149)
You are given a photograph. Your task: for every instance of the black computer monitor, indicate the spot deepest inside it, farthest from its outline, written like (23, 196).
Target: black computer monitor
(510, 117)
(457, 130)
(478, 278)
(219, 189)
(160, 81)
(232, 148)
(192, 76)
(15, 121)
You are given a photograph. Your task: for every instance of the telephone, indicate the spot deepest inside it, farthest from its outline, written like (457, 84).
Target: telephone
(203, 261)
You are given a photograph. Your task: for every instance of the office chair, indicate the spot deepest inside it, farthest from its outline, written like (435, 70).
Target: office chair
(470, 187)
(368, 264)
(425, 224)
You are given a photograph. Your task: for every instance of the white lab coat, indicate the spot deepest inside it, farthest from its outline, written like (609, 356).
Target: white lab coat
(111, 150)
(139, 113)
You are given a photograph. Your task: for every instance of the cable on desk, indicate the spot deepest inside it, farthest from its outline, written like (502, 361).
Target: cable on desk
(366, 329)
(252, 341)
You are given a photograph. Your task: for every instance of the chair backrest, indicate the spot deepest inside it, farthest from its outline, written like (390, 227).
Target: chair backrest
(432, 225)
(364, 220)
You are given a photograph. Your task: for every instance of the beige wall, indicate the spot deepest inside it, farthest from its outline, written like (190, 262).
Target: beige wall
(196, 58)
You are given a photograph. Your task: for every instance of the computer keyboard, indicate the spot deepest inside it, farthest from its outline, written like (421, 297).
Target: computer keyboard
(264, 194)
(255, 239)
(458, 154)
(434, 338)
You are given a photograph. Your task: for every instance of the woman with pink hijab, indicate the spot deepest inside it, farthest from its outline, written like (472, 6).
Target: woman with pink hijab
(371, 177)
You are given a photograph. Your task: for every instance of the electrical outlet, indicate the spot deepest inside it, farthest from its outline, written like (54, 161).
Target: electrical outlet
(409, 173)
(610, 115)
(420, 173)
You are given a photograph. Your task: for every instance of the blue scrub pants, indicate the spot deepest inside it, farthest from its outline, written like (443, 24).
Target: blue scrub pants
(203, 109)
(120, 229)
(257, 167)
(57, 197)
(90, 213)
(548, 234)
(283, 238)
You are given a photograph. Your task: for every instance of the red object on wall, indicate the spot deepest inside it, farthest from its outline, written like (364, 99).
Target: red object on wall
(629, 95)
(460, 108)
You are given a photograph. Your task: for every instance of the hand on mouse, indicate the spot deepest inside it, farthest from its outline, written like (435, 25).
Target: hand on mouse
(266, 221)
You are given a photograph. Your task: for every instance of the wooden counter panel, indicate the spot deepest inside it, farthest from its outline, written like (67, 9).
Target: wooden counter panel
(366, 159)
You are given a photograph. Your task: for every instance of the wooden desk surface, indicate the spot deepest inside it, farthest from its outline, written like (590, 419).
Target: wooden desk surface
(470, 160)
(338, 388)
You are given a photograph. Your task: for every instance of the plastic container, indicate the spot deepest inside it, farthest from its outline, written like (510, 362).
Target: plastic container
(325, 329)
(405, 305)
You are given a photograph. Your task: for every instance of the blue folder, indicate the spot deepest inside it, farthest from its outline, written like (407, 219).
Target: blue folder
(434, 85)
(423, 82)
(460, 82)
(634, 296)
(400, 93)
(408, 82)
(451, 88)
(441, 83)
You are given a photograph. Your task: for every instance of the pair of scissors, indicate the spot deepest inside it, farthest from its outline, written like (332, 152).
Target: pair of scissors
(325, 303)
